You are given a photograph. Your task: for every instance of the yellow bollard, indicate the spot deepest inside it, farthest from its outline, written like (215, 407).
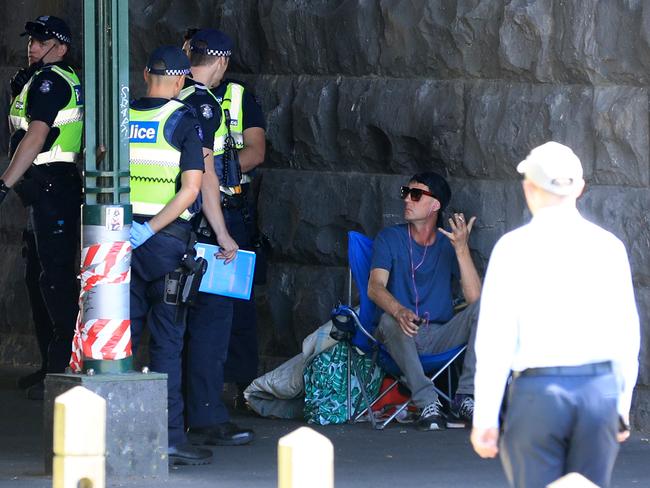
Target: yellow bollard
(79, 440)
(305, 460)
(572, 480)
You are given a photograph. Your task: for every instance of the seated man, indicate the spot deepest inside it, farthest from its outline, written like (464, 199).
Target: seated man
(411, 281)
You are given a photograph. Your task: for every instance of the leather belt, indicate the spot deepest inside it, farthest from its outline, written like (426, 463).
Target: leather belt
(593, 369)
(178, 230)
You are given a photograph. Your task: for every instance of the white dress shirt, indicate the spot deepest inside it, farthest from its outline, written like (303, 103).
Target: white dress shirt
(557, 292)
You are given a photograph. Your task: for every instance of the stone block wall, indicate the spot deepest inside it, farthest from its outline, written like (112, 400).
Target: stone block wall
(360, 94)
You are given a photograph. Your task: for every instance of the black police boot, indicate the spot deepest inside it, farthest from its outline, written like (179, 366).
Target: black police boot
(188, 455)
(225, 434)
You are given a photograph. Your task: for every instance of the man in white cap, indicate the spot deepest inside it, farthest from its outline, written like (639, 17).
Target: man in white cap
(558, 312)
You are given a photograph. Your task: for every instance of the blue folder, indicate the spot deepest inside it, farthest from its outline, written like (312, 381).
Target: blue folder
(234, 279)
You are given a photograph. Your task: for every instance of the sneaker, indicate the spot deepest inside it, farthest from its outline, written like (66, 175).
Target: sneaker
(461, 412)
(431, 417)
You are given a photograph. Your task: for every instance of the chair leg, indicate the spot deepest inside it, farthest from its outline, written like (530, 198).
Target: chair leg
(397, 411)
(362, 386)
(383, 394)
(441, 370)
(349, 374)
(449, 382)
(438, 391)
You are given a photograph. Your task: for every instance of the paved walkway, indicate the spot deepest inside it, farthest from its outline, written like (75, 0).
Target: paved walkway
(397, 457)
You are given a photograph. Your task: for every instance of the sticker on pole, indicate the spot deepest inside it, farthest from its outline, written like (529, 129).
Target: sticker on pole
(114, 218)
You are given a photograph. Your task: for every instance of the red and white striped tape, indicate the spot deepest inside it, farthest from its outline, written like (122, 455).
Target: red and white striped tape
(101, 338)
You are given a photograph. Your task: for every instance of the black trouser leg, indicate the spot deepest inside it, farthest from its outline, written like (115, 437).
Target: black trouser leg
(55, 218)
(42, 324)
(241, 364)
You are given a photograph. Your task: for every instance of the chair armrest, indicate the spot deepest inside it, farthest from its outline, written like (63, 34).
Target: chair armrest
(340, 317)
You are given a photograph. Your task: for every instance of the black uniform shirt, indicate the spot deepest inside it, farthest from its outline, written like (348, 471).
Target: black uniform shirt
(208, 111)
(186, 136)
(48, 93)
(253, 115)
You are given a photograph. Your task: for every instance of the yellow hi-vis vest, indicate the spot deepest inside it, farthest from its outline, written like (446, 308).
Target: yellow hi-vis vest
(67, 146)
(233, 101)
(221, 132)
(153, 162)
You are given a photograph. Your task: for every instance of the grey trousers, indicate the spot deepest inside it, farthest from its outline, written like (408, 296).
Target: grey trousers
(431, 339)
(556, 425)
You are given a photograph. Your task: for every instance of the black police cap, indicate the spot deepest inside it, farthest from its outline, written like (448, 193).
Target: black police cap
(48, 27)
(212, 42)
(173, 60)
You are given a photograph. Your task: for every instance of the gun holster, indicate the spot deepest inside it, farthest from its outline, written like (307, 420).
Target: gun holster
(194, 268)
(182, 284)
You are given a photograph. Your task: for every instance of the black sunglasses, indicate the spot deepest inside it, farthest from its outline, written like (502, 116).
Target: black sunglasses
(416, 193)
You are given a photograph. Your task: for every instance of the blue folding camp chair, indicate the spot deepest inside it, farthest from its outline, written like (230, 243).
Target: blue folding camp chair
(359, 328)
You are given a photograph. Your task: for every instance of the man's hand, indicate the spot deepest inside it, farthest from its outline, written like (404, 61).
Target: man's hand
(485, 441)
(406, 320)
(227, 248)
(459, 238)
(460, 231)
(623, 429)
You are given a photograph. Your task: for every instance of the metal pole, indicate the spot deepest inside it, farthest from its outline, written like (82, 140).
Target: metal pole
(106, 213)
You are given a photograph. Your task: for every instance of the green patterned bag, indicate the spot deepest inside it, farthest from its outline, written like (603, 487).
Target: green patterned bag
(326, 387)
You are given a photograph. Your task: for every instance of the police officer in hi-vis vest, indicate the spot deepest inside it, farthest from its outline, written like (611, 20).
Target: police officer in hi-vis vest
(209, 321)
(166, 166)
(245, 131)
(46, 122)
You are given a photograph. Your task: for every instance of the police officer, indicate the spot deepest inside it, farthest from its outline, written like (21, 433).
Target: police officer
(245, 128)
(209, 321)
(187, 37)
(45, 121)
(166, 165)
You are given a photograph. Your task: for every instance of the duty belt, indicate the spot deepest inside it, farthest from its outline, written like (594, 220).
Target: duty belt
(178, 230)
(593, 369)
(233, 202)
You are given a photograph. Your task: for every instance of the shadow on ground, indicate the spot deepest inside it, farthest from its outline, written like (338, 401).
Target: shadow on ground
(399, 456)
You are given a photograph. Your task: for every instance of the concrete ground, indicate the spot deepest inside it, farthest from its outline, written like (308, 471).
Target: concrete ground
(397, 456)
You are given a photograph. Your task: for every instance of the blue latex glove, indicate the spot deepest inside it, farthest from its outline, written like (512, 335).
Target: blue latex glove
(140, 233)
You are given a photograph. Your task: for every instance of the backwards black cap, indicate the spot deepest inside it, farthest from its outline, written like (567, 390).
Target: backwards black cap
(48, 27)
(211, 42)
(437, 185)
(173, 60)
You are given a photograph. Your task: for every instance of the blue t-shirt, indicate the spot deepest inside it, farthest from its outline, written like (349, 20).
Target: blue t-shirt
(433, 278)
